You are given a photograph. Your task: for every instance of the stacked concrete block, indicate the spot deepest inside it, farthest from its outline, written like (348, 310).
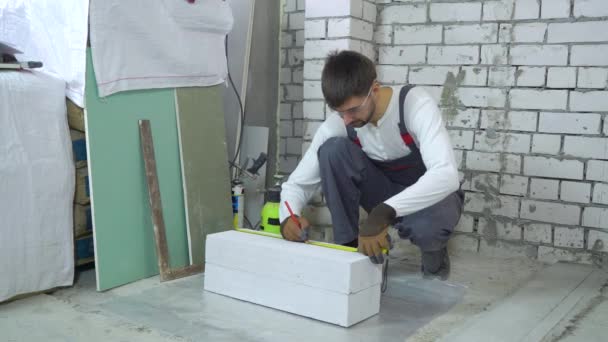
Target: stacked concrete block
(523, 85)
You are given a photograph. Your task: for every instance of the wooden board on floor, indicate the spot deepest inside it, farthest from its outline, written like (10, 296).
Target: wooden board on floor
(124, 239)
(204, 160)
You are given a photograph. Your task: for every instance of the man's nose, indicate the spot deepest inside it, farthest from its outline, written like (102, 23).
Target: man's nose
(347, 119)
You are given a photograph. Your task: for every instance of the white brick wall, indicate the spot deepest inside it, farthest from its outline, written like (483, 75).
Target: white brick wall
(523, 86)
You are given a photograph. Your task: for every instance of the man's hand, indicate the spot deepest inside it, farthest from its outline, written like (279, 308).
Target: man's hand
(292, 232)
(373, 234)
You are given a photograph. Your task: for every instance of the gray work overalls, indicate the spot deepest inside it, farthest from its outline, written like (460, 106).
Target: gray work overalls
(351, 179)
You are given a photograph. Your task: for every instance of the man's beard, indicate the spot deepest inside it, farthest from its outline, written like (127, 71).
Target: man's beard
(361, 123)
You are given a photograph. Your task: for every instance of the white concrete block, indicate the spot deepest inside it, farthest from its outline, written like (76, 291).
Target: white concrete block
(383, 34)
(453, 55)
(285, 109)
(544, 188)
(435, 75)
(287, 39)
(285, 75)
(595, 217)
(455, 11)
(553, 167)
(501, 77)
(497, 10)
(490, 228)
(590, 8)
(529, 33)
(530, 76)
(349, 27)
(312, 90)
(561, 77)
(402, 54)
(403, 14)
(550, 212)
(321, 48)
(498, 205)
(484, 182)
(505, 33)
(575, 192)
(301, 5)
(546, 143)
(392, 74)
(600, 193)
(298, 130)
(300, 38)
(335, 8)
(597, 170)
(588, 31)
(482, 161)
(511, 163)
(286, 128)
(514, 120)
(526, 9)
(592, 77)
(589, 55)
(290, 6)
(461, 139)
(288, 164)
(538, 99)
(463, 118)
(310, 128)
(491, 141)
(418, 34)
(570, 123)
(330, 285)
(369, 11)
(295, 57)
(294, 145)
(555, 9)
(475, 76)
(296, 21)
(539, 55)
(313, 69)
(314, 110)
(465, 224)
(298, 110)
(297, 75)
(597, 241)
(292, 92)
(470, 34)
(315, 28)
(591, 101)
(569, 237)
(583, 147)
(514, 185)
(495, 54)
(482, 97)
(537, 233)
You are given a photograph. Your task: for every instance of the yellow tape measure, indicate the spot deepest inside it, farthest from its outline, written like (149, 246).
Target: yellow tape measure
(310, 242)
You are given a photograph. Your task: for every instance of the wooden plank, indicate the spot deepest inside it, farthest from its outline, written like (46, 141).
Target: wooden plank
(124, 239)
(160, 237)
(528, 311)
(204, 160)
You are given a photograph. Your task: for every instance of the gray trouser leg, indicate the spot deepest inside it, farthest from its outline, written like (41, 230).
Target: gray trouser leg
(349, 180)
(430, 228)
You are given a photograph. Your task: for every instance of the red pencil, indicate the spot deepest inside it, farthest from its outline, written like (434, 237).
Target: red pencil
(293, 217)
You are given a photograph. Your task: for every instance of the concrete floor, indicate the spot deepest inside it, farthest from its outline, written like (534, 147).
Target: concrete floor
(412, 309)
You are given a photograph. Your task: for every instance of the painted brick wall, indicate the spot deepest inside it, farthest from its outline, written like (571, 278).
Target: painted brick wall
(523, 85)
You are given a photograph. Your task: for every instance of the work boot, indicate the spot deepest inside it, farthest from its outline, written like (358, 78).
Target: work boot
(436, 264)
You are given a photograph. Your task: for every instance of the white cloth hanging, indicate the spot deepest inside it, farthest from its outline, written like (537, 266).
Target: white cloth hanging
(143, 44)
(52, 32)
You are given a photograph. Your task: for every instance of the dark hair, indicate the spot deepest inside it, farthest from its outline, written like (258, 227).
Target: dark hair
(345, 74)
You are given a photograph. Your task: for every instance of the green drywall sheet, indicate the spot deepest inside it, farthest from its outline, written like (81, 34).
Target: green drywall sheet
(124, 239)
(205, 165)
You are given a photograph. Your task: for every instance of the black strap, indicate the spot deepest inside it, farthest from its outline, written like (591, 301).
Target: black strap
(402, 95)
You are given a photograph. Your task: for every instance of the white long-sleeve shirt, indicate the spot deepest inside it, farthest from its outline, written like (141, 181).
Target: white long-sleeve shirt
(383, 142)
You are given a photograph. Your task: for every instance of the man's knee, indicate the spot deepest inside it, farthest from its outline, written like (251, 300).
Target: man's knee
(334, 146)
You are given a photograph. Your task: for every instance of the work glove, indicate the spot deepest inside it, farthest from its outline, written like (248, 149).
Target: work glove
(292, 232)
(373, 234)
